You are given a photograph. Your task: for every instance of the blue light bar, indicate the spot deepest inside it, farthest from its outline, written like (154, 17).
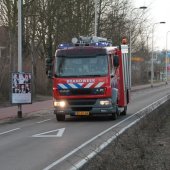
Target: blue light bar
(64, 45)
(102, 44)
(86, 41)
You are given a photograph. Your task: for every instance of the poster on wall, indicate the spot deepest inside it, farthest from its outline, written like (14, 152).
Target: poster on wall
(21, 88)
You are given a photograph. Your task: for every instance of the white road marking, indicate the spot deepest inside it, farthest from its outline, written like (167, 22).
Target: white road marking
(2, 133)
(82, 162)
(102, 146)
(58, 134)
(43, 121)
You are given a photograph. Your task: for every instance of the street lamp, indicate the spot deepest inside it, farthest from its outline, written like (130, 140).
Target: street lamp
(166, 58)
(20, 47)
(152, 70)
(95, 23)
(130, 42)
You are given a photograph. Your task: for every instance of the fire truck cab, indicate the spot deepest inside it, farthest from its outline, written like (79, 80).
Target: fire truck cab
(90, 77)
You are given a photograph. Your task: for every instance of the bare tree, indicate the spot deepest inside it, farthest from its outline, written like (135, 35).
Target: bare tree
(48, 23)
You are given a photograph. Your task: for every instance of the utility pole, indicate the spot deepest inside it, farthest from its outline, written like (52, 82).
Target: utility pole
(19, 48)
(166, 58)
(95, 23)
(152, 66)
(130, 42)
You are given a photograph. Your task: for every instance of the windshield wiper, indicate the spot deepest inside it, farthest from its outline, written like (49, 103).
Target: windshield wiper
(75, 76)
(58, 75)
(97, 75)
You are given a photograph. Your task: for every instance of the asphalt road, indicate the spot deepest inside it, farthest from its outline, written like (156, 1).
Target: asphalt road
(39, 142)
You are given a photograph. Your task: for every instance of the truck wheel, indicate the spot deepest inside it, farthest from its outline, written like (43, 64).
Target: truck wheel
(117, 111)
(60, 117)
(124, 111)
(114, 116)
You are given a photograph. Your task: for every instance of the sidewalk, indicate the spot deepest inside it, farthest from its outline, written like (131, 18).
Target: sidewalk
(146, 86)
(11, 112)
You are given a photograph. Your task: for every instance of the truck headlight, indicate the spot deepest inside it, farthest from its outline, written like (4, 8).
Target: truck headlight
(105, 102)
(59, 103)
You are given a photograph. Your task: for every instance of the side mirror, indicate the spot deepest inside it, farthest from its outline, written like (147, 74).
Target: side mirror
(116, 61)
(49, 74)
(49, 66)
(112, 75)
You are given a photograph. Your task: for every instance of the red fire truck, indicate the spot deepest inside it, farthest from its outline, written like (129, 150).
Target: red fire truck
(90, 77)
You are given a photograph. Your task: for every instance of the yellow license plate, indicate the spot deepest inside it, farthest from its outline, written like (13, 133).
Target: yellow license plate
(82, 113)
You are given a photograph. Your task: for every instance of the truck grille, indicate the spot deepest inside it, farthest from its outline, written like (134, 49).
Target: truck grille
(82, 102)
(81, 91)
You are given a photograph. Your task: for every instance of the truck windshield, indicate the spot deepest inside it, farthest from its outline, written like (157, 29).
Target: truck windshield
(81, 66)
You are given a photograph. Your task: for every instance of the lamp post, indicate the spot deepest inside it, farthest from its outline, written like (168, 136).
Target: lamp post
(130, 42)
(166, 58)
(95, 23)
(152, 69)
(19, 48)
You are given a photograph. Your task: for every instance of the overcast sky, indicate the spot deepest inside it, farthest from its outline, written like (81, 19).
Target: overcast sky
(159, 10)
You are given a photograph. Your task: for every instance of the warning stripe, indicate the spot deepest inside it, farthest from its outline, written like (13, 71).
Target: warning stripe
(99, 85)
(88, 85)
(79, 85)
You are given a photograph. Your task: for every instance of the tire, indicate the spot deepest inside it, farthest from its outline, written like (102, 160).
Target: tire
(114, 116)
(124, 111)
(60, 117)
(117, 111)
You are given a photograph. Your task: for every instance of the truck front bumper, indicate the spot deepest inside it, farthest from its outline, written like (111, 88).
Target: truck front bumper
(85, 107)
